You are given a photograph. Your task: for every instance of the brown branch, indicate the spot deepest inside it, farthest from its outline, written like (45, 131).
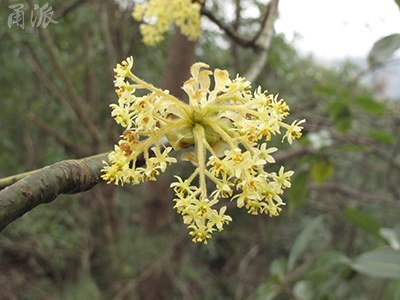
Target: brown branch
(261, 41)
(256, 42)
(229, 31)
(45, 185)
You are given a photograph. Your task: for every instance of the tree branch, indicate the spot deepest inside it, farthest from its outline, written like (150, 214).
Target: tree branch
(45, 79)
(263, 41)
(44, 185)
(22, 192)
(77, 103)
(229, 31)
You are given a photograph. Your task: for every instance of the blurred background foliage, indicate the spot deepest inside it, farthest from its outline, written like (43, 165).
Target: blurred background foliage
(338, 238)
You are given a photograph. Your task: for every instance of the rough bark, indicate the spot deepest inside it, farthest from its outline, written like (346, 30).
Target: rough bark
(180, 58)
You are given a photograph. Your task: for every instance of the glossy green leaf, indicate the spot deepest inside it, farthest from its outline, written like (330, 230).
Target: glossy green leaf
(322, 171)
(303, 240)
(298, 193)
(382, 137)
(382, 263)
(370, 105)
(384, 48)
(363, 220)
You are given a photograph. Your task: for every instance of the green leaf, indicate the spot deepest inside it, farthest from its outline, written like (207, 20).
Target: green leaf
(322, 171)
(267, 291)
(303, 290)
(352, 148)
(303, 240)
(325, 262)
(341, 115)
(363, 220)
(277, 267)
(326, 90)
(370, 105)
(298, 193)
(382, 137)
(382, 263)
(392, 236)
(384, 48)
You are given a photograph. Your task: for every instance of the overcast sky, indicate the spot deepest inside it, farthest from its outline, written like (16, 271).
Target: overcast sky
(337, 28)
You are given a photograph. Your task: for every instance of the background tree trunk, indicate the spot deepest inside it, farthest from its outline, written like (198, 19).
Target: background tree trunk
(157, 210)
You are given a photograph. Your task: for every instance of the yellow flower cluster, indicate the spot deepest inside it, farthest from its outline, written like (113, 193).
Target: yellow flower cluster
(229, 128)
(158, 15)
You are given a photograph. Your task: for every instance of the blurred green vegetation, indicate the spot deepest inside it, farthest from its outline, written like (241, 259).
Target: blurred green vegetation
(338, 238)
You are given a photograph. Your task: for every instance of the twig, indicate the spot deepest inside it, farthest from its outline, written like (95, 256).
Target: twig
(76, 102)
(7, 181)
(45, 185)
(44, 77)
(229, 31)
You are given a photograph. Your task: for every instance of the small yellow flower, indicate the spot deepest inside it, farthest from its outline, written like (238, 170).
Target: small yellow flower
(158, 15)
(229, 128)
(293, 131)
(200, 232)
